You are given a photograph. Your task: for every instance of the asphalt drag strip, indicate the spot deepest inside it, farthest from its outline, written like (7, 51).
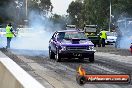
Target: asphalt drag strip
(63, 75)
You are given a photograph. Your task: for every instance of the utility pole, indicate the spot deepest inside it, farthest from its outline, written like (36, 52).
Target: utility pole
(19, 4)
(26, 9)
(110, 17)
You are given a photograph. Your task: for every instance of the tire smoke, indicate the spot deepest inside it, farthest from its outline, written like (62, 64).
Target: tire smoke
(124, 31)
(37, 36)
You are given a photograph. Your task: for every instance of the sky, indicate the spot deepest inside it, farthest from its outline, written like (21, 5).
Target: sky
(60, 6)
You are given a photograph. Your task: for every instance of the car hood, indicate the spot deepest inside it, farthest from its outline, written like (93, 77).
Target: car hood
(111, 37)
(76, 42)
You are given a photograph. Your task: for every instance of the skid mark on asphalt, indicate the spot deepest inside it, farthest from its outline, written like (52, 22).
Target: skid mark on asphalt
(120, 67)
(57, 71)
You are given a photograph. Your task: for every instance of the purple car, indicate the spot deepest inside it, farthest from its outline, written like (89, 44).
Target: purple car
(70, 44)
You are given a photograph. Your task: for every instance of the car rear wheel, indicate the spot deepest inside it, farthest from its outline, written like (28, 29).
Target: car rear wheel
(58, 57)
(51, 54)
(91, 58)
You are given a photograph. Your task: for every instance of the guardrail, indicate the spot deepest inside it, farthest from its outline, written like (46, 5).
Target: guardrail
(13, 76)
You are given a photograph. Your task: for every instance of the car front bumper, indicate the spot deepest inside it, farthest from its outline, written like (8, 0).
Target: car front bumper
(110, 41)
(76, 53)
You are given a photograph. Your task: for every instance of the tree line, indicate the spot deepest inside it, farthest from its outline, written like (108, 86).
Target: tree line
(11, 11)
(14, 10)
(98, 11)
(80, 12)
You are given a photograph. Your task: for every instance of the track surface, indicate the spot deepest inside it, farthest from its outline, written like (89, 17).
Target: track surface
(62, 75)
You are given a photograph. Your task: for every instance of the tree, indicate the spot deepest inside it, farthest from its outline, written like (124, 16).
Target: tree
(74, 11)
(2, 10)
(10, 11)
(97, 11)
(43, 6)
(59, 21)
(4, 2)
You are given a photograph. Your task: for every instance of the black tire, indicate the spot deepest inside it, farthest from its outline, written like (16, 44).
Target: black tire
(58, 57)
(51, 54)
(95, 45)
(91, 58)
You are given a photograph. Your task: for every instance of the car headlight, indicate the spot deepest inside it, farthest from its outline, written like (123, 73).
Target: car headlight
(63, 47)
(91, 47)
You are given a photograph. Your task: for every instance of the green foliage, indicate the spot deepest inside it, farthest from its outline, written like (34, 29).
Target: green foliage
(18, 14)
(4, 2)
(97, 11)
(40, 5)
(75, 9)
(59, 20)
(56, 18)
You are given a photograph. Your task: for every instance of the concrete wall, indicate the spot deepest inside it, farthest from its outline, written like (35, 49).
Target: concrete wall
(13, 76)
(7, 80)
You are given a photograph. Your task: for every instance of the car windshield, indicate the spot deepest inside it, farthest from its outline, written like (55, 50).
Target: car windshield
(90, 29)
(71, 35)
(111, 33)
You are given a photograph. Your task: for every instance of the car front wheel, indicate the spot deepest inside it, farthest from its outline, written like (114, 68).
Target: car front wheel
(91, 58)
(51, 54)
(58, 57)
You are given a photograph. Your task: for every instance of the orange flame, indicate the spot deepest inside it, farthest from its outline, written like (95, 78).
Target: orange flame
(81, 71)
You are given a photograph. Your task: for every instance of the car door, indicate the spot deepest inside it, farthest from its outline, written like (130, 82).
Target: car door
(53, 42)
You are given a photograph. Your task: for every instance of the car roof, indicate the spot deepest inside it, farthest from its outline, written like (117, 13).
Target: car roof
(69, 31)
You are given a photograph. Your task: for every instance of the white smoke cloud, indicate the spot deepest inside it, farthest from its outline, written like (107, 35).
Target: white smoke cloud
(124, 38)
(37, 36)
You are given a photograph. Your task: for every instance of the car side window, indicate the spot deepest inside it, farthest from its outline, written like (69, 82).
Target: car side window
(54, 35)
(60, 36)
